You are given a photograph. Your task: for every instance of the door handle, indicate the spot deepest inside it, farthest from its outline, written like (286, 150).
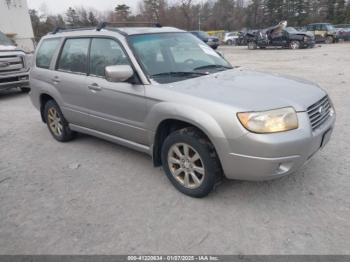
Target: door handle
(94, 87)
(55, 80)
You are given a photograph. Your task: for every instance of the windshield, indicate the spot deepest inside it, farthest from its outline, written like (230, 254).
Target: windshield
(4, 40)
(170, 57)
(330, 27)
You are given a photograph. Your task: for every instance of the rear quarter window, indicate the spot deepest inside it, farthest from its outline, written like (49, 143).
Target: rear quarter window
(46, 51)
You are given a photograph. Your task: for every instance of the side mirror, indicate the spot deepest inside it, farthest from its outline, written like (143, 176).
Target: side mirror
(118, 73)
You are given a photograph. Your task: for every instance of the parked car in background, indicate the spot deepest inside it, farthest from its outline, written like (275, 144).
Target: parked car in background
(243, 36)
(343, 32)
(323, 32)
(163, 92)
(211, 41)
(231, 38)
(14, 66)
(280, 36)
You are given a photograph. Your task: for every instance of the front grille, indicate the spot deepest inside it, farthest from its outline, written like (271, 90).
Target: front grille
(11, 64)
(319, 112)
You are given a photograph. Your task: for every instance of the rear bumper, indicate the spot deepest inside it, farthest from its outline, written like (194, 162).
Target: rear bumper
(269, 156)
(14, 80)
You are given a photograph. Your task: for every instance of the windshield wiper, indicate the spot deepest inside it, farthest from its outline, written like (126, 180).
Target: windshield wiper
(212, 66)
(184, 73)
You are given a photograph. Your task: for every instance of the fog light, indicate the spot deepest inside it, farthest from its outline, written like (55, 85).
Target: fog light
(284, 168)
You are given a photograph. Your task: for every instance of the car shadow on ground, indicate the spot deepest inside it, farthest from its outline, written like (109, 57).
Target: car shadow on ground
(226, 189)
(11, 93)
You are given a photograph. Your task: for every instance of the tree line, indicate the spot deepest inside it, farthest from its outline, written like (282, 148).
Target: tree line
(226, 15)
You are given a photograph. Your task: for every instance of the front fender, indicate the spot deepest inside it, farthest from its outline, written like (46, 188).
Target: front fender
(198, 118)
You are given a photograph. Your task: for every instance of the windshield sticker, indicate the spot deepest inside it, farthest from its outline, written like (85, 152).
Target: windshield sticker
(208, 50)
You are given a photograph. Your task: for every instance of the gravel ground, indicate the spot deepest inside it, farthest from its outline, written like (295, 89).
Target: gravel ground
(93, 197)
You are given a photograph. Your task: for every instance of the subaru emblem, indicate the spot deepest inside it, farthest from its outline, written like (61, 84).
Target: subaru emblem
(320, 110)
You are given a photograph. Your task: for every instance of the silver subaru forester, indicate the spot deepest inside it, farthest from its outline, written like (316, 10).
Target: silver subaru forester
(164, 92)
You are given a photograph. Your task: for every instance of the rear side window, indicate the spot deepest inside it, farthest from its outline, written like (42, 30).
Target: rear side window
(46, 51)
(74, 56)
(105, 52)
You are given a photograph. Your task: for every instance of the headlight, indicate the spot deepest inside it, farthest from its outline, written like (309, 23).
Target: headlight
(271, 121)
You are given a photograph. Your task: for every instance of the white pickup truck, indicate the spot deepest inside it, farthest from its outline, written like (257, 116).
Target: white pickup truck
(14, 66)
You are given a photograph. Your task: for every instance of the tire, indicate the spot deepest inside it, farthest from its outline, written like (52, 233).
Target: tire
(178, 166)
(294, 45)
(329, 40)
(56, 123)
(252, 45)
(229, 42)
(25, 89)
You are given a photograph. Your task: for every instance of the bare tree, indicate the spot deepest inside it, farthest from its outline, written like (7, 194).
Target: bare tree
(186, 7)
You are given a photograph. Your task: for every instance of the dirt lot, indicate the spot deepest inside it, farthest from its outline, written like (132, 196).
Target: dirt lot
(92, 197)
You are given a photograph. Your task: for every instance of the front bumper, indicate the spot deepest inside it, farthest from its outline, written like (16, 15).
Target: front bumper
(14, 80)
(267, 156)
(309, 44)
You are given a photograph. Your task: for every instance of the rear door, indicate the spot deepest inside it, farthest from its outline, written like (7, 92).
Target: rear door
(119, 108)
(70, 78)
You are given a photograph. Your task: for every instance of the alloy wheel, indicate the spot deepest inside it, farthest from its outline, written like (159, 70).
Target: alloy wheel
(55, 122)
(186, 165)
(294, 45)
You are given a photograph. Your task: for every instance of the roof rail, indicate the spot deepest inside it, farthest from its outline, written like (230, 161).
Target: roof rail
(68, 29)
(103, 25)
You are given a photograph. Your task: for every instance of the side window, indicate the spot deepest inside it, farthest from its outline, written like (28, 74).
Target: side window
(74, 56)
(105, 52)
(46, 52)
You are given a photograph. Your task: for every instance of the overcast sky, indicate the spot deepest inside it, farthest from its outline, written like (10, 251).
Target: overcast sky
(60, 6)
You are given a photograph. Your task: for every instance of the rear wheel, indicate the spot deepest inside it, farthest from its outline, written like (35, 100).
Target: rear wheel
(252, 45)
(294, 45)
(329, 40)
(229, 42)
(190, 162)
(56, 122)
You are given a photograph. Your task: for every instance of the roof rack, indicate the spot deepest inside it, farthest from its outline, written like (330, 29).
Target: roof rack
(69, 29)
(103, 25)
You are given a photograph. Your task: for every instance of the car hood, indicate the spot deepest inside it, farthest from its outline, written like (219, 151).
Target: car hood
(251, 90)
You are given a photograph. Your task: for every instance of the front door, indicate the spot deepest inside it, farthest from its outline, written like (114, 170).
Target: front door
(118, 109)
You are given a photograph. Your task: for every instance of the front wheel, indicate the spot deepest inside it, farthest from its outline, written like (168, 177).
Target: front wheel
(56, 122)
(294, 45)
(190, 162)
(329, 40)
